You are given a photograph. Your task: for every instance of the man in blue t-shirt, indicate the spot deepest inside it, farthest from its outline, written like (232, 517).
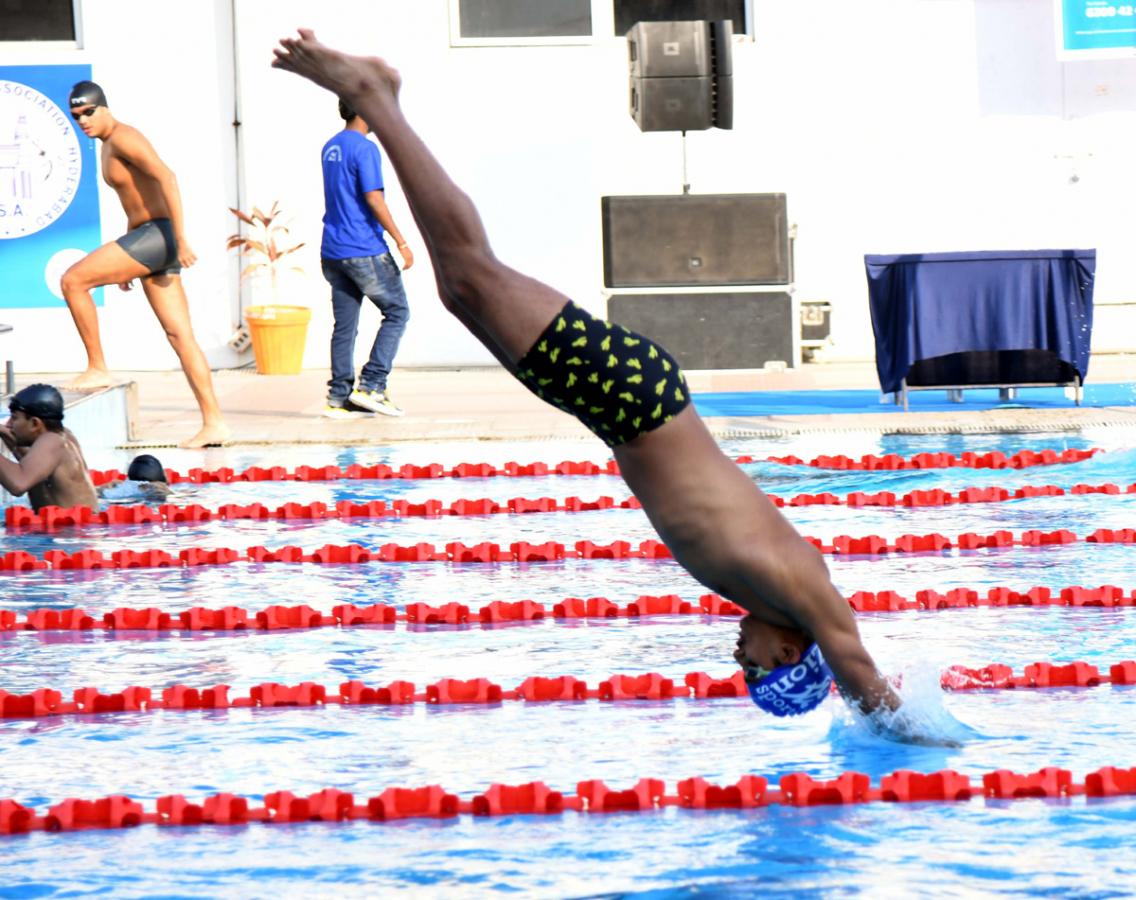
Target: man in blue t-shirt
(357, 264)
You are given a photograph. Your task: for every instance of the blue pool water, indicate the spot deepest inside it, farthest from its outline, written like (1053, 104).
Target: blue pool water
(1025, 848)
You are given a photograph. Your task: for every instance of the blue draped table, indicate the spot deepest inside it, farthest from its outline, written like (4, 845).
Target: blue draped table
(943, 317)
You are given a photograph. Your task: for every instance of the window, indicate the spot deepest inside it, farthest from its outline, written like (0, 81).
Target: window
(37, 20)
(486, 21)
(627, 12)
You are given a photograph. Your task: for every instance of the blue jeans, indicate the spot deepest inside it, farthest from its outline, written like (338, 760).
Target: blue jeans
(379, 280)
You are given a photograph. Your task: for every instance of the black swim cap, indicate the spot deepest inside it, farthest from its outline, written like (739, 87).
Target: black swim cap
(87, 93)
(146, 468)
(39, 400)
(345, 111)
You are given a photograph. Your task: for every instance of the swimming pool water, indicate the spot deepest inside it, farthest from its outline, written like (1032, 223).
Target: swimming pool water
(1024, 848)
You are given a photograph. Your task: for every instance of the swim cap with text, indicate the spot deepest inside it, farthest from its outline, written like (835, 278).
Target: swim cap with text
(793, 689)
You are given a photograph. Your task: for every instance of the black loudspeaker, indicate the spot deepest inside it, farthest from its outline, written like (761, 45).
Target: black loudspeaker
(694, 240)
(712, 331)
(681, 75)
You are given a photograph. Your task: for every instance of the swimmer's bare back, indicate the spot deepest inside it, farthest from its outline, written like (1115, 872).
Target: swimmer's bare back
(70, 482)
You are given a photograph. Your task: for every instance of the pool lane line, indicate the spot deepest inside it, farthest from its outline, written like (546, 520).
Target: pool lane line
(797, 789)
(869, 462)
(280, 617)
(870, 546)
(87, 701)
(50, 518)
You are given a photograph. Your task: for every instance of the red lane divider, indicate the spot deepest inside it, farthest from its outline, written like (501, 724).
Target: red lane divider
(870, 462)
(524, 551)
(1105, 596)
(592, 796)
(52, 517)
(650, 686)
(236, 618)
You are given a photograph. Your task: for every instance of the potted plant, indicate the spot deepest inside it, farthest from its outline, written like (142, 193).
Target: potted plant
(278, 332)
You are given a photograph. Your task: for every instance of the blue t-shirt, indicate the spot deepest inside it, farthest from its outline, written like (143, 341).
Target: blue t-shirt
(351, 167)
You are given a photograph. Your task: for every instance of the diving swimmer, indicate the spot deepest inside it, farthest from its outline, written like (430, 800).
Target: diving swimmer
(49, 465)
(800, 633)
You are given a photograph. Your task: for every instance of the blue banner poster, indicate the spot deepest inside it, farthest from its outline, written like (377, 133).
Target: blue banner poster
(49, 205)
(1096, 29)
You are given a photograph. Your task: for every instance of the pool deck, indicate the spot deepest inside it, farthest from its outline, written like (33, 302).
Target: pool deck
(485, 403)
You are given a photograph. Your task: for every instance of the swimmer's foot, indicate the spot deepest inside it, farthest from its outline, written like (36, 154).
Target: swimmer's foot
(209, 436)
(346, 76)
(91, 380)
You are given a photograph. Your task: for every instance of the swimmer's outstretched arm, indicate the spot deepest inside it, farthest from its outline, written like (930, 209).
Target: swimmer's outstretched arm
(857, 677)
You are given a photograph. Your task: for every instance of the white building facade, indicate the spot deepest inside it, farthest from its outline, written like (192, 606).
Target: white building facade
(892, 126)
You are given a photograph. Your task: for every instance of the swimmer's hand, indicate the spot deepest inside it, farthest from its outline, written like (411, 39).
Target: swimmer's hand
(8, 438)
(904, 733)
(126, 285)
(186, 256)
(920, 718)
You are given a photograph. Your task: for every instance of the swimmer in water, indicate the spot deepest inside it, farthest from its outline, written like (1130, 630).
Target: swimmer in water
(800, 633)
(154, 250)
(146, 474)
(49, 464)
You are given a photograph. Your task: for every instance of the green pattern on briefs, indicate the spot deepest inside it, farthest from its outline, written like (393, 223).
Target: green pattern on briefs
(618, 383)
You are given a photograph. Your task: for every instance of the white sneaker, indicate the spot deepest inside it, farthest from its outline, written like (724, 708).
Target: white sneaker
(376, 401)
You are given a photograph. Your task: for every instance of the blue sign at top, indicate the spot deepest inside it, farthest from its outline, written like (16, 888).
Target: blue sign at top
(1096, 28)
(49, 205)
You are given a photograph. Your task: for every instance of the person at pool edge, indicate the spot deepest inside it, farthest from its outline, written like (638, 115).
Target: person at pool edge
(800, 633)
(49, 465)
(154, 250)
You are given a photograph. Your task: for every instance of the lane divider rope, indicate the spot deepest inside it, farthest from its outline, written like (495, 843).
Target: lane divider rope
(592, 796)
(275, 617)
(45, 702)
(51, 517)
(523, 551)
(869, 462)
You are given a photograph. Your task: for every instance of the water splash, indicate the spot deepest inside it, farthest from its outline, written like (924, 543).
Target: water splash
(921, 719)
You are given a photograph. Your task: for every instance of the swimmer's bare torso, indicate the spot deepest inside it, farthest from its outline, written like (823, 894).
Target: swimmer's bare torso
(69, 483)
(140, 193)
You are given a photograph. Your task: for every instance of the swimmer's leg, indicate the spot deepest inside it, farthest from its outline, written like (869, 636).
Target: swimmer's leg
(109, 264)
(167, 299)
(505, 309)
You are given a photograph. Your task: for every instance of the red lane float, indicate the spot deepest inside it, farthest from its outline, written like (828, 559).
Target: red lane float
(592, 796)
(451, 691)
(50, 518)
(870, 462)
(523, 551)
(235, 618)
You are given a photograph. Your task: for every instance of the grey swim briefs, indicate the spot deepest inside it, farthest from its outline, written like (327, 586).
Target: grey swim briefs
(153, 245)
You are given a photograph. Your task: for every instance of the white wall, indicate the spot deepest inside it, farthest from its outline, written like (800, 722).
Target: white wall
(892, 126)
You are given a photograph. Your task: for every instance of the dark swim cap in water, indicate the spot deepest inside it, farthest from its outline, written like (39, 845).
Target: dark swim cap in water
(795, 688)
(146, 468)
(39, 400)
(87, 93)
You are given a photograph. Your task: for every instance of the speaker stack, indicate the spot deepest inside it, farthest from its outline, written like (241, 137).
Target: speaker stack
(708, 276)
(720, 271)
(681, 75)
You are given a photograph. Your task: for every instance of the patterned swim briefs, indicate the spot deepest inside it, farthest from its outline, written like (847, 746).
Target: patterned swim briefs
(618, 383)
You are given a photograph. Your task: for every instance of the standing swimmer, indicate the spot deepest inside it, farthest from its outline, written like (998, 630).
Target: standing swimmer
(154, 250)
